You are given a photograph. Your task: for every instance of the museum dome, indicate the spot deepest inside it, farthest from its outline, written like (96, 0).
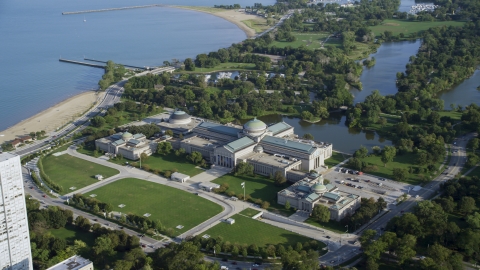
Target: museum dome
(319, 188)
(179, 117)
(127, 136)
(254, 127)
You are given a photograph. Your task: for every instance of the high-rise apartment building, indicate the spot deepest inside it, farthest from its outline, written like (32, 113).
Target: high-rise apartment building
(15, 251)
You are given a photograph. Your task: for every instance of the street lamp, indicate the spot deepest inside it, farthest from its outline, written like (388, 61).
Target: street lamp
(347, 230)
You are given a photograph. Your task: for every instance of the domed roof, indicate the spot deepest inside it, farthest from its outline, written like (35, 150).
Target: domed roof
(127, 135)
(177, 115)
(317, 188)
(255, 125)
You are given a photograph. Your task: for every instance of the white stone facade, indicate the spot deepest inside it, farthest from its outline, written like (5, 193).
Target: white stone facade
(15, 251)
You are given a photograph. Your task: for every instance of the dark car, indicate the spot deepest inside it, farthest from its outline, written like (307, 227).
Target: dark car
(95, 219)
(328, 237)
(225, 259)
(234, 263)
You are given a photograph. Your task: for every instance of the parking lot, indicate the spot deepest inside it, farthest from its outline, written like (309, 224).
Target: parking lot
(368, 186)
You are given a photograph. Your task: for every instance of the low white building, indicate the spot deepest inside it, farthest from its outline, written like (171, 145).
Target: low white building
(73, 263)
(207, 186)
(179, 177)
(230, 221)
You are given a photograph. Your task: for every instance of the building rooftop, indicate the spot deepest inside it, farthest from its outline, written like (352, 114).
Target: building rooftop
(270, 160)
(239, 144)
(255, 125)
(217, 128)
(279, 127)
(293, 145)
(72, 263)
(195, 140)
(138, 136)
(6, 156)
(179, 175)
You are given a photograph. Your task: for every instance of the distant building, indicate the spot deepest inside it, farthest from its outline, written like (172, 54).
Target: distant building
(73, 263)
(128, 145)
(306, 193)
(15, 251)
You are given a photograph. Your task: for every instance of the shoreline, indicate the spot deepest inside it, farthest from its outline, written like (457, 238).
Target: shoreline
(228, 15)
(53, 117)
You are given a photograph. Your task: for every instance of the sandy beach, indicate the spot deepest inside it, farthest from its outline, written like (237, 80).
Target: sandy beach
(233, 16)
(53, 117)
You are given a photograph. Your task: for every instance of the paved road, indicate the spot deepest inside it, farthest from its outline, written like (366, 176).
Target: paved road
(111, 96)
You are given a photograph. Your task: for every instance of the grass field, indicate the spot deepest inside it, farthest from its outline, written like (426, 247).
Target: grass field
(331, 225)
(259, 25)
(68, 171)
(336, 159)
(407, 27)
(71, 233)
(400, 161)
(167, 163)
(452, 114)
(249, 212)
(250, 231)
(311, 41)
(258, 187)
(171, 206)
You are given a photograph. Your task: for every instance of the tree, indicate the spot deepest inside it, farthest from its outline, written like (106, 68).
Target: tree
(97, 121)
(169, 132)
(467, 205)
(164, 148)
(279, 179)
(400, 174)
(308, 136)
(388, 154)
(189, 64)
(321, 213)
(244, 168)
(103, 248)
(287, 205)
(473, 220)
(195, 157)
(362, 152)
(474, 144)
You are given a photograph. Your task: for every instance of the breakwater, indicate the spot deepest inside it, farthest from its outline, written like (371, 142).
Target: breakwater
(110, 9)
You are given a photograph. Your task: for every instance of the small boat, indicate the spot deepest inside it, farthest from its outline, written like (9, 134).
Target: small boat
(84, 20)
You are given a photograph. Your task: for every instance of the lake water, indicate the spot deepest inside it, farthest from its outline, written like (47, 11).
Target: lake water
(35, 35)
(332, 130)
(465, 93)
(391, 57)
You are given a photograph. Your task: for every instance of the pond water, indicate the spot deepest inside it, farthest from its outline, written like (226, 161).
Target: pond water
(332, 130)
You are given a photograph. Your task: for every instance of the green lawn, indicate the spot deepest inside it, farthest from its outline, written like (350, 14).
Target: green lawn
(71, 233)
(250, 231)
(407, 27)
(452, 114)
(228, 66)
(331, 225)
(68, 171)
(249, 212)
(336, 159)
(258, 187)
(259, 25)
(400, 161)
(167, 163)
(311, 41)
(171, 206)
